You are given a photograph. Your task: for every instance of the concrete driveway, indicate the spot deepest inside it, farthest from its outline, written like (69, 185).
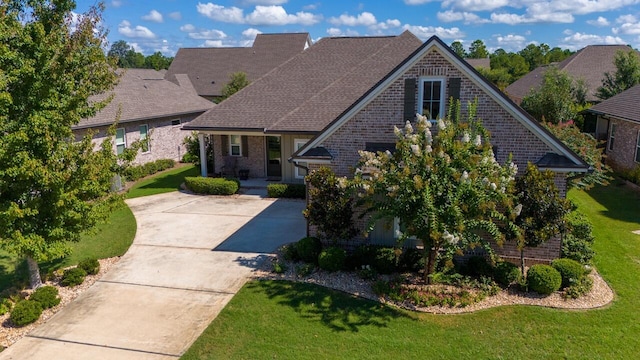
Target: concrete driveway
(190, 256)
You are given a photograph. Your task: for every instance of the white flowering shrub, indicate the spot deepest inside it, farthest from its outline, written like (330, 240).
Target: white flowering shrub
(447, 190)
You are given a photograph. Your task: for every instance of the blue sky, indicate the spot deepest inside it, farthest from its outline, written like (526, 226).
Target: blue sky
(167, 25)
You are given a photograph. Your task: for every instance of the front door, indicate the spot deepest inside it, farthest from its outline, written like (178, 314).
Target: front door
(274, 158)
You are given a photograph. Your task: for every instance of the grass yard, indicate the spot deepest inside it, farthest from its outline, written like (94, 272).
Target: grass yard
(163, 182)
(300, 321)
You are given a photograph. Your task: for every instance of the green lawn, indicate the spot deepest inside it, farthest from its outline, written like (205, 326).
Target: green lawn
(300, 321)
(163, 182)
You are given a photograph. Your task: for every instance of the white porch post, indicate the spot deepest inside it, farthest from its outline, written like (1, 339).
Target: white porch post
(203, 155)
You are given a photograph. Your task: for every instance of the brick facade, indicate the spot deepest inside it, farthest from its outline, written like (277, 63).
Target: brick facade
(375, 122)
(622, 157)
(254, 162)
(166, 139)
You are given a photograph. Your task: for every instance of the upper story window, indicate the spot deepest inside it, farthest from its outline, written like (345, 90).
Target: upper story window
(612, 135)
(235, 145)
(431, 98)
(121, 141)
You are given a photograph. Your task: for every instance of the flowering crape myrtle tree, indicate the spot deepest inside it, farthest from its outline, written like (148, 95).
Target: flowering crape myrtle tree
(447, 190)
(52, 187)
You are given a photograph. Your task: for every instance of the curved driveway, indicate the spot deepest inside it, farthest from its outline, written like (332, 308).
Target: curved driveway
(191, 254)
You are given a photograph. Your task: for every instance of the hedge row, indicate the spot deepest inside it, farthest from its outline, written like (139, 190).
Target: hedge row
(137, 172)
(293, 191)
(212, 186)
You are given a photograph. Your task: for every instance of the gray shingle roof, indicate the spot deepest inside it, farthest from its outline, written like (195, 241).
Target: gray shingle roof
(311, 90)
(589, 64)
(209, 69)
(623, 106)
(144, 94)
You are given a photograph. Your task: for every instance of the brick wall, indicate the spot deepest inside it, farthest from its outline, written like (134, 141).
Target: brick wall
(166, 139)
(624, 146)
(255, 162)
(374, 123)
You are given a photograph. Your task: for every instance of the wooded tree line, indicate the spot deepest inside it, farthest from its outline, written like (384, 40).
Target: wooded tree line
(507, 67)
(127, 57)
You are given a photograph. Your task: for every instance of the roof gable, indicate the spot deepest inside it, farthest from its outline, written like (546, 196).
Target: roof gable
(144, 94)
(435, 44)
(209, 69)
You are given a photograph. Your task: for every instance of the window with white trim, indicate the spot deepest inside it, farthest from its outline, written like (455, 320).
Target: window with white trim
(431, 98)
(612, 135)
(144, 138)
(638, 148)
(235, 145)
(297, 145)
(121, 141)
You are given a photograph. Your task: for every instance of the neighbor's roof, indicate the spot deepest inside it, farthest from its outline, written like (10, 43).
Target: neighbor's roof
(622, 106)
(479, 63)
(312, 89)
(144, 94)
(209, 69)
(589, 64)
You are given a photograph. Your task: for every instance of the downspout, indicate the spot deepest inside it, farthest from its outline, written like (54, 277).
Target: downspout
(306, 193)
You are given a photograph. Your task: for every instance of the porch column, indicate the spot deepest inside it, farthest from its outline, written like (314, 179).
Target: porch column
(203, 155)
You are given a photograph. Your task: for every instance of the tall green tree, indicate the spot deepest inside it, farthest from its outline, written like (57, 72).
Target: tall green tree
(237, 81)
(542, 209)
(52, 187)
(458, 48)
(627, 75)
(535, 55)
(558, 99)
(446, 190)
(478, 50)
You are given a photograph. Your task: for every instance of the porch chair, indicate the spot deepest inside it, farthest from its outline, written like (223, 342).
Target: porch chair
(230, 165)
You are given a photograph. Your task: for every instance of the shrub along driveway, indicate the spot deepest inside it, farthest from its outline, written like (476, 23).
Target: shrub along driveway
(190, 256)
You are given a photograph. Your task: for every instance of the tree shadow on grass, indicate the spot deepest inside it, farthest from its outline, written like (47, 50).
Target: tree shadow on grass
(620, 200)
(336, 310)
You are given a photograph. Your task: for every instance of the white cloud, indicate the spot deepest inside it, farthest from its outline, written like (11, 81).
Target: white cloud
(265, 2)
(251, 33)
(176, 15)
(116, 3)
(277, 15)
(208, 35)
(363, 19)
(335, 32)
(386, 25)
(311, 7)
(600, 21)
(136, 47)
(213, 43)
(627, 29)
(467, 17)
(579, 40)
(425, 32)
(515, 19)
(140, 32)
(221, 13)
(187, 28)
(511, 41)
(153, 16)
(476, 5)
(626, 19)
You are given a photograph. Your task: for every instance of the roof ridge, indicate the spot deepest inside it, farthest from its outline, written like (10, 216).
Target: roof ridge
(318, 93)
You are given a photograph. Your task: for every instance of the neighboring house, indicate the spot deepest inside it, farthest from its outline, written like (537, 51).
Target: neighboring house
(482, 63)
(209, 69)
(346, 94)
(589, 64)
(618, 122)
(150, 107)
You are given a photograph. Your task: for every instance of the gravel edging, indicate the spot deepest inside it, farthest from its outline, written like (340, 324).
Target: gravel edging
(10, 333)
(348, 282)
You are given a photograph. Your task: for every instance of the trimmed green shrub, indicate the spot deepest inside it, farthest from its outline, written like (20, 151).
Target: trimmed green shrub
(5, 306)
(290, 252)
(506, 273)
(26, 312)
(309, 249)
(134, 173)
(90, 266)
(47, 296)
(570, 270)
(293, 191)
(305, 270)
(411, 259)
(543, 279)
(478, 266)
(579, 288)
(385, 260)
(235, 180)
(577, 243)
(73, 277)
(279, 268)
(211, 186)
(332, 259)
